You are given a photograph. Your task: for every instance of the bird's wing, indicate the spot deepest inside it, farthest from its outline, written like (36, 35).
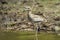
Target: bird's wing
(36, 17)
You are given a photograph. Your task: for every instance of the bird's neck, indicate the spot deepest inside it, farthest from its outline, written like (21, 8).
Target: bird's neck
(30, 13)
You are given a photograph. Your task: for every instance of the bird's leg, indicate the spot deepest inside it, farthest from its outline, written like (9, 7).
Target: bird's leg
(36, 32)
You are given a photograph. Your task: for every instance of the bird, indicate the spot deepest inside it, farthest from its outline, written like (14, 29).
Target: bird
(36, 19)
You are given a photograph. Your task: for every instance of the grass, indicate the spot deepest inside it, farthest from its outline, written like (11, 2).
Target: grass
(27, 36)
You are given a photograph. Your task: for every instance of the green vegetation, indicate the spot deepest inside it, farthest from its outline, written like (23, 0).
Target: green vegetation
(27, 36)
